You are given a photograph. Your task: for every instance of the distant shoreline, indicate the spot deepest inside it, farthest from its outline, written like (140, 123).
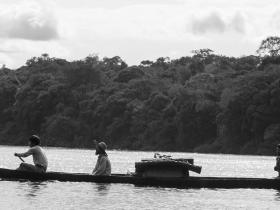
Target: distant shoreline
(127, 150)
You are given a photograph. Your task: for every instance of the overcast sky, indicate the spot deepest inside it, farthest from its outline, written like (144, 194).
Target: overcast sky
(136, 30)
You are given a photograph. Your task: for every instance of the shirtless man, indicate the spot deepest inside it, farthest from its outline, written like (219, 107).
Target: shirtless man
(39, 158)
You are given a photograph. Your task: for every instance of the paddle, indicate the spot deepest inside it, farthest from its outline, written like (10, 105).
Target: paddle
(21, 159)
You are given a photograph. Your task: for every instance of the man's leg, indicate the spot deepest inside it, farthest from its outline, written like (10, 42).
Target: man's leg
(27, 167)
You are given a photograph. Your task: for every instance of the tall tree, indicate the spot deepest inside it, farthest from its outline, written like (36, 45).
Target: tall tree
(270, 46)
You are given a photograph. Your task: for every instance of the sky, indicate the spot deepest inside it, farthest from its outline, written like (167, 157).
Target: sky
(135, 30)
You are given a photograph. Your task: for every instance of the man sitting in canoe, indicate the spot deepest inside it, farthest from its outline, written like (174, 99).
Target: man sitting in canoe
(103, 165)
(39, 158)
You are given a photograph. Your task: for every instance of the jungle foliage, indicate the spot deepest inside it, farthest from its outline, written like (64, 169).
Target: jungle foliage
(203, 103)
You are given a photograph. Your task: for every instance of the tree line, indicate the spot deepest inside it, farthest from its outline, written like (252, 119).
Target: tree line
(203, 103)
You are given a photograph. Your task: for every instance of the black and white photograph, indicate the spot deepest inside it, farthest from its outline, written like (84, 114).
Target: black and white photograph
(139, 104)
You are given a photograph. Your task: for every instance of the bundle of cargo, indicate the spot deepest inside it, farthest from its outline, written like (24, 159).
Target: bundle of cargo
(165, 166)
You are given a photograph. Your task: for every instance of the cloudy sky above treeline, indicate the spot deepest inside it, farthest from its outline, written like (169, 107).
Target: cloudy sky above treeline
(136, 30)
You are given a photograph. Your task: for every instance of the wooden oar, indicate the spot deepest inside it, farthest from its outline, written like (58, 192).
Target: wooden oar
(21, 159)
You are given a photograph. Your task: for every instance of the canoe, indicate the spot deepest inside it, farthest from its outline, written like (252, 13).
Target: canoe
(187, 182)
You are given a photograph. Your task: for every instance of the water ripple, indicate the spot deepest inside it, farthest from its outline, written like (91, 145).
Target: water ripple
(69, 195)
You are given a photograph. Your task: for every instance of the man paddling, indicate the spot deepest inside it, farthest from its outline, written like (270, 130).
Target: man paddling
(103, 165)
(39, 158)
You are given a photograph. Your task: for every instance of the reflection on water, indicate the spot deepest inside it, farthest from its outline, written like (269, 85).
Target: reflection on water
(277, 195)
(102, 189)
(34, 188)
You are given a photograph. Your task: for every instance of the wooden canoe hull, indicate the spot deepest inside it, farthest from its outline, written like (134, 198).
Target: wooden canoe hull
(189, 182)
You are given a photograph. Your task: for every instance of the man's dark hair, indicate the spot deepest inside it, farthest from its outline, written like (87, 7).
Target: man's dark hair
(35, 140)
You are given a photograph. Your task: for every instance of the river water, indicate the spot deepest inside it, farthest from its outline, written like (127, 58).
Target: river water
(72, 195)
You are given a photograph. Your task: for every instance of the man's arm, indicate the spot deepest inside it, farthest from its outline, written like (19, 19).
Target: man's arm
(25, 154)
(95, 168)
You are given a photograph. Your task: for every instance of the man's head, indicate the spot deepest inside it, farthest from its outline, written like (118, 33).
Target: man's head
(34, 140)
(100, 148)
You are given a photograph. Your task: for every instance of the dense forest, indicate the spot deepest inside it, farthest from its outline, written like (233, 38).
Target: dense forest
(202, 103)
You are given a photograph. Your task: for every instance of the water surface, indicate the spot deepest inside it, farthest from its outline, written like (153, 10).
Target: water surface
(73, 195)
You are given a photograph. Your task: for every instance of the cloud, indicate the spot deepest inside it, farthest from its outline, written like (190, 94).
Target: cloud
(211, 23)
(159, 22)
(275, 20)
(215, 23)
(238, 23)
(29, 20)
(15, 52)
(7, 51)
(132, 29)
